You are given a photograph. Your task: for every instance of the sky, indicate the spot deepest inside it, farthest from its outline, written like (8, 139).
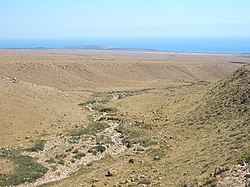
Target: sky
(34, 19)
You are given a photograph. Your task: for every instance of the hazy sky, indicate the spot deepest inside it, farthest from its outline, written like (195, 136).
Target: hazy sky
(123, 18)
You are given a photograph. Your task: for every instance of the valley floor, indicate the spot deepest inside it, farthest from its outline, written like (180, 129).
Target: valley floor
(119, 118)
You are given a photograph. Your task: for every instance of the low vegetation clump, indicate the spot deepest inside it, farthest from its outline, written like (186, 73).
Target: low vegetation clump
(147, 142)
(26, 169)
(210, 182)
(38, 146)
(102, 109)
(97, 149)
(60, 156)
(79, 155)
(245, 158)
(50, 161)
(69, 149)
(127, 131)
(91, 129)
(157, 153)
(61, 162)
(104, 140)
(88, 103)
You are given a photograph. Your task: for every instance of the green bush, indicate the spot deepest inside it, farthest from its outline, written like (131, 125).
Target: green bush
(211, 182)
(26, 169)
(91, 129)
(50, 161)
(244, 158)
(61, 162)
(69, 149)
(107, 110)
(38, 146)
(79, 155)
(60, 156)
(99, 148)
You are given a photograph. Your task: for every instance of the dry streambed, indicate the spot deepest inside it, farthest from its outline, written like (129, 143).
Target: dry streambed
(55, 157)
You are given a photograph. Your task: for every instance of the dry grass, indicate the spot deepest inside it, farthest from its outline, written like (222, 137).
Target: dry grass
(176, 124)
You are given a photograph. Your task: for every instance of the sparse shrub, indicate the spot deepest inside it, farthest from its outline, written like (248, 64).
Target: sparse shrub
(50, 161)
(107, 110)
(157, 153)
(146, 143)
(247, 159)
(79, 155)
(139, 149)
(72, 141)
(186, 184)
(99, 148)
(38, 146)
(93, 151)
(61, 162)
(69, 149)
(103, 140)
(74, 138)
(211, 182)
(91, 129)
(26, 169)
(60, 156)
(130, 135)
(87, 103)
(53, 167)
(244, 158)
(145, 181)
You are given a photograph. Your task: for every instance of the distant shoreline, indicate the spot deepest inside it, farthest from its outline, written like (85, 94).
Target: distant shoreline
(123, 50)
(235, 45)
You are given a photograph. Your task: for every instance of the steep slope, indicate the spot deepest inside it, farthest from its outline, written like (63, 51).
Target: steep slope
(229, 98)
(217, 131)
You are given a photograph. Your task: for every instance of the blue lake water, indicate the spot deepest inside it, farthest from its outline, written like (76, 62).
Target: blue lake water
(182, 44)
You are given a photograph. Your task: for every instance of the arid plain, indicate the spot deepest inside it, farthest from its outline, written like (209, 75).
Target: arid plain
(123, 118)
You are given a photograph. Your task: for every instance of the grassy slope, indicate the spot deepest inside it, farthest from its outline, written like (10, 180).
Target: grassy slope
(217, 131)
